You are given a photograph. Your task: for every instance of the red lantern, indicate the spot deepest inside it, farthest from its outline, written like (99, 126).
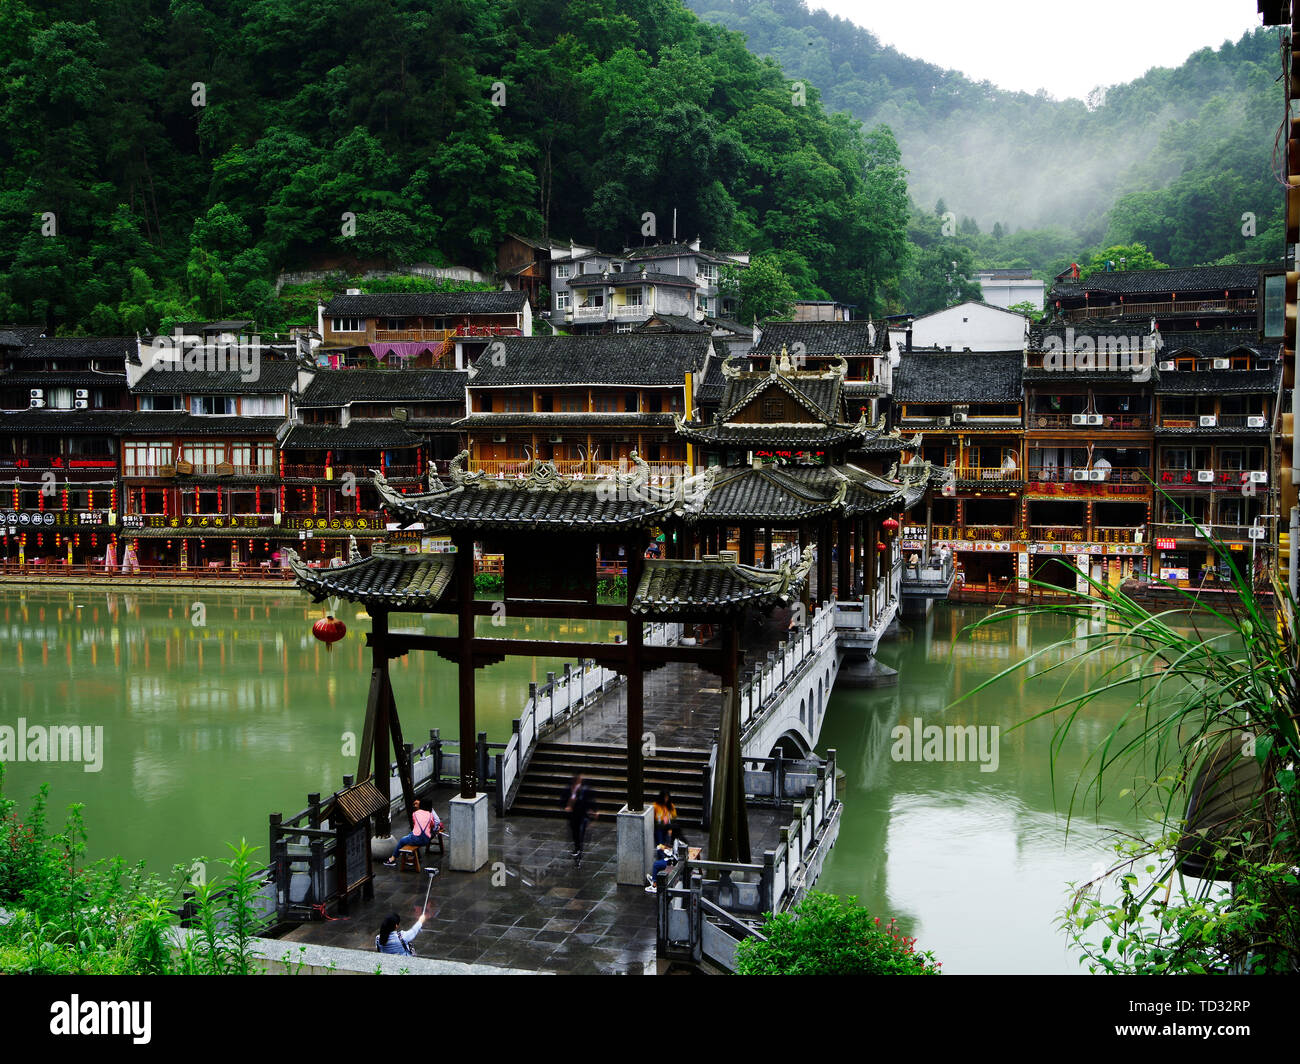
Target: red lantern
(329, 631)
(881, 547)
(889, 525)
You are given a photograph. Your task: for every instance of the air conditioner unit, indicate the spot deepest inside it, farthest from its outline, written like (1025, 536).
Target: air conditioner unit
(1094, 419)
(1096, 474)
(1221, 363)
(1081, 474)
(958, 418)
(498, 439)
(36, 393)
(1255, 532)
(38, 402)
(83, 393)
(945, 421)
(1166, 367)
(1205, 476)
(1201, 533)
(1078, 419)
(1259, 477)
(1208, 421)
(1256, 423)
(82, 404)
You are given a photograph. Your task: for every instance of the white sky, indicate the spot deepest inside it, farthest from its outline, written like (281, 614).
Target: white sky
(1065, 48)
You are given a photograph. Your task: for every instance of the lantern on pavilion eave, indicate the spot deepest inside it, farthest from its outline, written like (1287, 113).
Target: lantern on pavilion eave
(889, 526)
(329, 631)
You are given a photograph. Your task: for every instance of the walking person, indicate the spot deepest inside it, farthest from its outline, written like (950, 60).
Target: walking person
(580, 807)
(424, 822)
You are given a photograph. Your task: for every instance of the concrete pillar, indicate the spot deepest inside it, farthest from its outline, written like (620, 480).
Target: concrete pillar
(635, 843)
(468, 820)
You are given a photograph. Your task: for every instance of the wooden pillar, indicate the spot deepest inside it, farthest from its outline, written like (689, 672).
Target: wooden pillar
(929, 526)
(728, 826)
(871, 557)
(842, 552)
(373, 761)
(825, 566)
(465, 661)
(747, 538)
(767, 546)
(635, 683)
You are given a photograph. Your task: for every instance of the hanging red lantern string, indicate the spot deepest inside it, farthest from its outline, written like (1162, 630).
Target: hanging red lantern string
(257, 499)
(15, 495)
(40, 501)
(197, 509)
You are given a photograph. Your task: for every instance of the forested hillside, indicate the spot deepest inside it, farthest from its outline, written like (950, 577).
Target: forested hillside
(1172, 159)
(169, 157)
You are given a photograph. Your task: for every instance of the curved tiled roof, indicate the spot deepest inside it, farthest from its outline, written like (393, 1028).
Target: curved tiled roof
(671, 587)
(631, 359)
(390, 581)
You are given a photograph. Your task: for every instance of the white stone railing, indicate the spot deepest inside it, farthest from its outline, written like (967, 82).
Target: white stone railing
(557, 700)
(769, 681)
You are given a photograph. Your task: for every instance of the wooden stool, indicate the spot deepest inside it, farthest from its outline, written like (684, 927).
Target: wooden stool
(408, 854)
(435, 840)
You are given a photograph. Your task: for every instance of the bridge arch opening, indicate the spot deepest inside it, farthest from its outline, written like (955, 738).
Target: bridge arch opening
(791, 745)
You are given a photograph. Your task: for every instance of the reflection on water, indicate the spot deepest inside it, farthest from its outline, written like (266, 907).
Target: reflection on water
(208, 728)
(975, 864)
(219, 708)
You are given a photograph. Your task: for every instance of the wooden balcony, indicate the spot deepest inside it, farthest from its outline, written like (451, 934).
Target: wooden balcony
(991, 474)
(1118, 480)
(399, 335)
(1221, 421)
(1156, 310)
(1114, 422)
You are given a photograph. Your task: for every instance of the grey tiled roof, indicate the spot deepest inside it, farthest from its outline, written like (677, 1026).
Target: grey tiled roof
(1190, 280)
(631, 359)
(361, 434)
(389, 581)
(1216, 343)
(989, 377)
(672, 587)
(54, 422)
(271, 378)
(626, 277)
(66, 347)
(1219, 381)
(823, 338)
(338, 387)
(180, 423)
(424, 304)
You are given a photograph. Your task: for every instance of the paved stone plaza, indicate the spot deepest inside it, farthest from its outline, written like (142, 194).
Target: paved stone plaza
(529, 907)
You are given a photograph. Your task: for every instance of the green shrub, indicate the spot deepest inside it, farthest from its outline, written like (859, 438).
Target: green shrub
(830, 935)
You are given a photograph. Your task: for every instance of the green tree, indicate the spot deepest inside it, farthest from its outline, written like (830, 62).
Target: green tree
(762, 291)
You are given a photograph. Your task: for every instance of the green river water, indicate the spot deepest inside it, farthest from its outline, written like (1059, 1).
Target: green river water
(208, 727)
